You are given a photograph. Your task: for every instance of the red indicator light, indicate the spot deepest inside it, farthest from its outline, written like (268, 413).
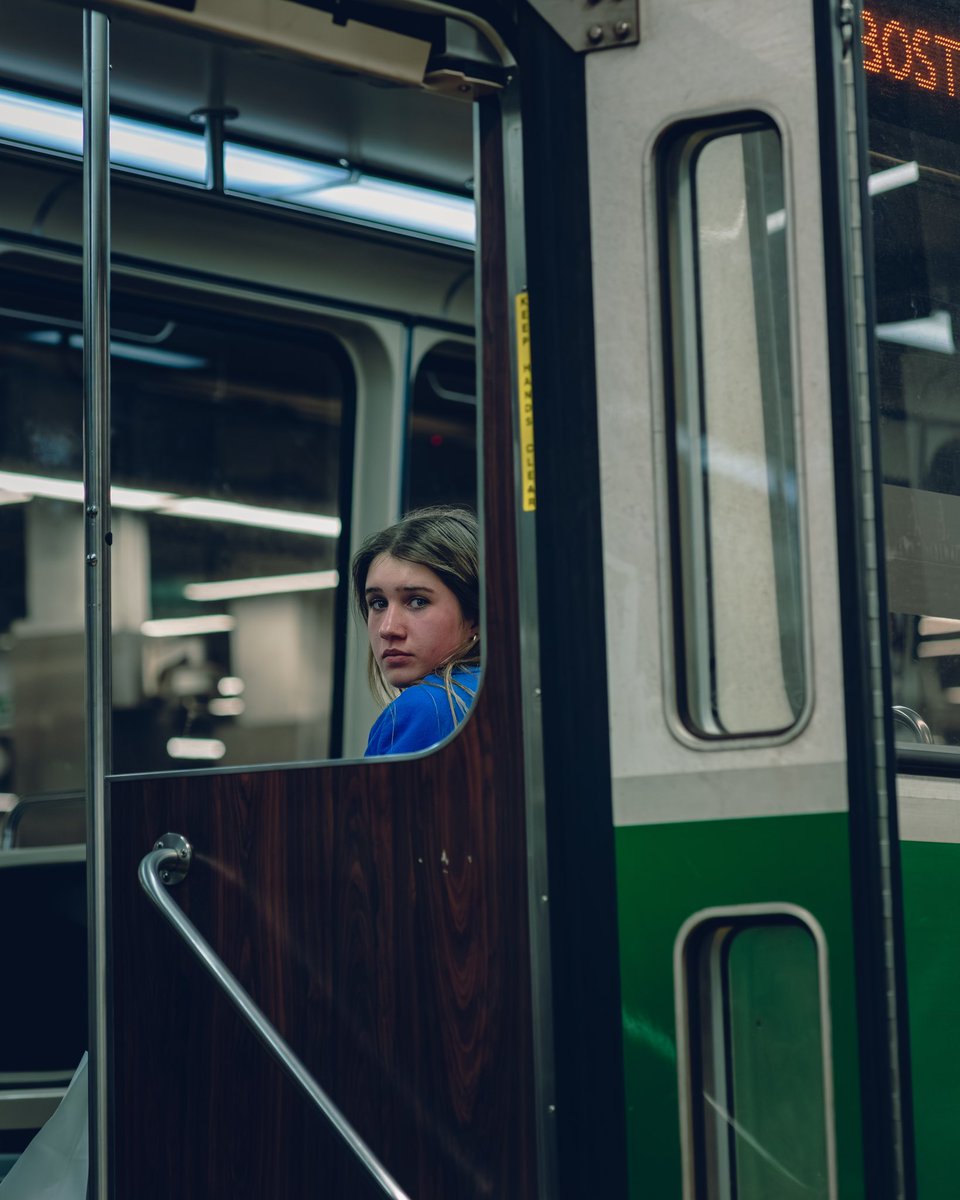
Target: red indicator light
(436, 439)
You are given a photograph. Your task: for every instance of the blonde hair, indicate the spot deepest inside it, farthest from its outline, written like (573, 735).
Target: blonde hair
(446, 540)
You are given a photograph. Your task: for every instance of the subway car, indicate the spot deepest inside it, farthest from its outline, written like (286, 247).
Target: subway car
(664, 290)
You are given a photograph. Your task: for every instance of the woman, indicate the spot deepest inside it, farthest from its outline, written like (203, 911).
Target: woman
(417, 587)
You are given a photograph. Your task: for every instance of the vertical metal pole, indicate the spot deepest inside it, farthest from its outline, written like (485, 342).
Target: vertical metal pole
(96, 416)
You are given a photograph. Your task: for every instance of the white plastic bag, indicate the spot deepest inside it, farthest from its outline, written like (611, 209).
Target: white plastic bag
(54, 1165)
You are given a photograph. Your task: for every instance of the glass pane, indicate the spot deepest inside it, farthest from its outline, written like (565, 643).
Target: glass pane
(442, 429)
(225, 596)
(758, 1094)
(915, 187)
(227, 445)
(777, 1065)
(42, 657)
(740, 635)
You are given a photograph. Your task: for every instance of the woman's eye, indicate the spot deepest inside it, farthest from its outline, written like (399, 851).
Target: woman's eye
(377, 604)
(419, 602)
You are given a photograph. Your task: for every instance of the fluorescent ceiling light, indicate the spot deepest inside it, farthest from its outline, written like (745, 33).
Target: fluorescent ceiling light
(230, 685)
(136, 144)
(44, 337)
(154, 356)
(154, 148)
(196, 748)
(250, 514)
(28, 486)
(268, 585)
(41, 485)
(925, 333)
(168, 504)
(138, 500)
(893, 177)
(226, 706)
(938, 649)
(324, 187)
(189, 626)
(877, 183)
(930, 626)
(41, 122)
(264, 173)
(399, 205)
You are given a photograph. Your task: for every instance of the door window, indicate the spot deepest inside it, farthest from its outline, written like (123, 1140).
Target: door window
(231, 444)
(909, 60)
(731, 445)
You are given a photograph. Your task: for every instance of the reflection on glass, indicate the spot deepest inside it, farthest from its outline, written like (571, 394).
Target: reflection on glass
(913, 139)
(757, 1086)
(227, 444)
(737, 558)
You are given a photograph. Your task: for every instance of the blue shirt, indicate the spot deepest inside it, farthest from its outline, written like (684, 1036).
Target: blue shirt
(420, 716)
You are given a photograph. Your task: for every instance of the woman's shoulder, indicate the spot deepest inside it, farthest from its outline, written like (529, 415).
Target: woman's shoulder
(421, 715)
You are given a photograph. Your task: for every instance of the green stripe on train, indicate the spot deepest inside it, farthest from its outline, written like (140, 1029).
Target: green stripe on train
(666, 873)
(931, 903)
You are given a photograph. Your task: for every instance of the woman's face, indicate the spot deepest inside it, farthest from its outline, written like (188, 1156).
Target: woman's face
(414, 621)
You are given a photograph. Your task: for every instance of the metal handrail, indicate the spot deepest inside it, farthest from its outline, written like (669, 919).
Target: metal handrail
(23, 807)
(914, 722)
(167, 864)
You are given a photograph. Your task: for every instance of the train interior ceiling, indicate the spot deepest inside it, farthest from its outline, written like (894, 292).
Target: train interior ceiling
(292, 361)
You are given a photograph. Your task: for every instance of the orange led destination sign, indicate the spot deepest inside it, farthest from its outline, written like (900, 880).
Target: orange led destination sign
(909, 53)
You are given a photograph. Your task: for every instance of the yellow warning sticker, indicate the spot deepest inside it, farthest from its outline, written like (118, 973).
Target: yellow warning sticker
(528, 473)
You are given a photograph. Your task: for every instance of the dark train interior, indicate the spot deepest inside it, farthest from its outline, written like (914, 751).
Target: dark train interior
(293, 365)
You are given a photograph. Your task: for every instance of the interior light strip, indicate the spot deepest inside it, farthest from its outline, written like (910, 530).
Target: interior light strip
(932, 626)
(250, 514)
(267, 585)
(334, 189)
(196, 748)
(26, 487)
(893, 177)
(154, 356)
(949, 646)
(879, 182)
(189, 626)
(922, 333)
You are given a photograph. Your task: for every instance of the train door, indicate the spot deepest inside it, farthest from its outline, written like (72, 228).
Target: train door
(376, 911)
(260, 346)
(743, 696)
(909, 55)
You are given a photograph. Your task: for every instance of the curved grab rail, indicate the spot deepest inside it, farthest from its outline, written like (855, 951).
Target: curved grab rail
(912, 720)
(167, 864)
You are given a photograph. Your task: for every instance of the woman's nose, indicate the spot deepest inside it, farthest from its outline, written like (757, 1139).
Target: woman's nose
(391, 623)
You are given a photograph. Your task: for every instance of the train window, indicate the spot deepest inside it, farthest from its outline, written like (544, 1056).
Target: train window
(234, 650)
(231, 445)
(442, 429)
(739, 624)
(914, 185)
(753, 1052)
